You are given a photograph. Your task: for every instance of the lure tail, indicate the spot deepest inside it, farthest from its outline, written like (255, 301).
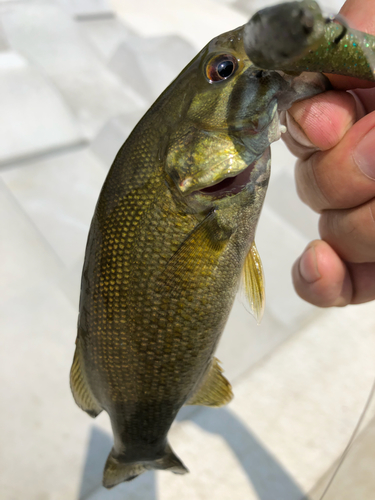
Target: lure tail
(117, 470)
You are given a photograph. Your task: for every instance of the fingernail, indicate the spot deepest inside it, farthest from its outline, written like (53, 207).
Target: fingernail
(364, 154)
(297, 133)
(308, 266)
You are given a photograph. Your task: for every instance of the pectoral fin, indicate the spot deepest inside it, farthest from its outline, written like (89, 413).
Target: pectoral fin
(81, 391)
(253, 283)
(215, 389)
(196, 258)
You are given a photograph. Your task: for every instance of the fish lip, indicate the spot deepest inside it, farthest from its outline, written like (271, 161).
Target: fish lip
(249, 129)
(233, 184)
(230, 186)
(252, 129)
(228, 181)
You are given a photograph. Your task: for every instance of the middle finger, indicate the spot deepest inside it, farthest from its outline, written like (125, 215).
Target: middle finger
(351, 233)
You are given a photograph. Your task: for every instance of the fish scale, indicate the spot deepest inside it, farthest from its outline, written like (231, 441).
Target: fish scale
(119, 284)
(159, 280)
(172, 233)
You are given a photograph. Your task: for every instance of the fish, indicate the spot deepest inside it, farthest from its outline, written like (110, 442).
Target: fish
(171, 239)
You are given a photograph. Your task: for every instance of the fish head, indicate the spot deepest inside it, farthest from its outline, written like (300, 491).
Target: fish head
(227, 115)
(221, 146)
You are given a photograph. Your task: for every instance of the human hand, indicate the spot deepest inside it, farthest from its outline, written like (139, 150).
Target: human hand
(333, 135)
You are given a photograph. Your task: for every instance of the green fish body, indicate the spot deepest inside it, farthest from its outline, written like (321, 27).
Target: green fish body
(172, 232)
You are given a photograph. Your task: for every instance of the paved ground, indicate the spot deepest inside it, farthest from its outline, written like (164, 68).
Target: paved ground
(75, 76)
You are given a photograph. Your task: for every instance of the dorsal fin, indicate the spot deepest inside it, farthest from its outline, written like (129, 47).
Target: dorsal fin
(81, 391)
(215, 389)
(252, 283)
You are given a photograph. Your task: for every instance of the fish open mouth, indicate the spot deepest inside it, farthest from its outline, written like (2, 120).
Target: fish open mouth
(230, 185)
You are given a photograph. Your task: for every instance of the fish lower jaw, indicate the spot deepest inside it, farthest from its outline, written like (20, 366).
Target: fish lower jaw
(232, 185)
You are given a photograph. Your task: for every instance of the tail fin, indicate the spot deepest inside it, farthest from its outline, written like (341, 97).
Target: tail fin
(116, 471)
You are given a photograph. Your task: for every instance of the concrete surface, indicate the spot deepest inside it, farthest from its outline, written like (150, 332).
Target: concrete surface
(45, 34)
(301, 379)
(24, 95)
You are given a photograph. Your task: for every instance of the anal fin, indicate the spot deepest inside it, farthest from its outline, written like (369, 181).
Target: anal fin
(80, 389)
(215, 389)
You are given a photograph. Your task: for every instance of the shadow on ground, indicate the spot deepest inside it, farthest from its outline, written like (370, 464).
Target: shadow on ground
(268, 477)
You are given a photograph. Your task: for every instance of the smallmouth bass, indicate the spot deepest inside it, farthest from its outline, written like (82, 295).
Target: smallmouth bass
(172, 233)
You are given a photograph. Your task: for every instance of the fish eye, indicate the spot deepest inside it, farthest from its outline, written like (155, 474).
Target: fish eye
(221, 67)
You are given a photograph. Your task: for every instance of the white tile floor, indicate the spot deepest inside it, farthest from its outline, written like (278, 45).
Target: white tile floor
(24, 94)
(59, 194)
(50, 39)
(300, 379)
(151, 73)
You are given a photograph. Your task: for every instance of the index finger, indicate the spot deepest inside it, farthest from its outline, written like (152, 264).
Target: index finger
(343, 176)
